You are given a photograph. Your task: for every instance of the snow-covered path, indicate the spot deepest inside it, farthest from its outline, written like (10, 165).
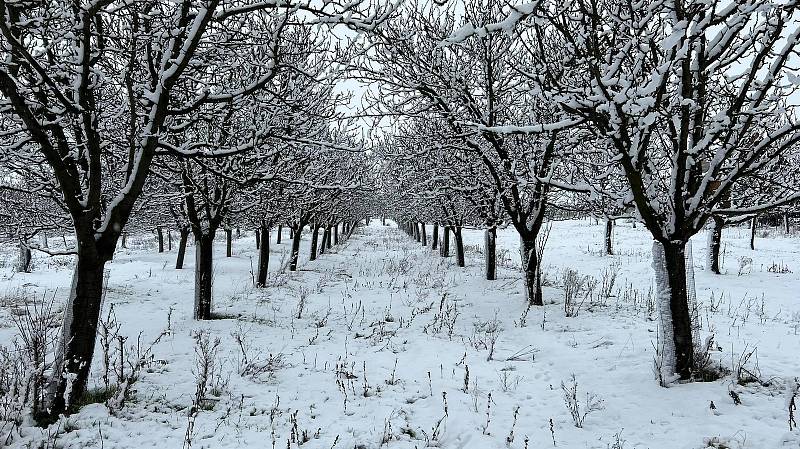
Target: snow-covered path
(383, 342)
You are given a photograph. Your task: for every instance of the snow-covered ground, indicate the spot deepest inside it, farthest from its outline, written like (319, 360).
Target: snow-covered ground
(381, 342)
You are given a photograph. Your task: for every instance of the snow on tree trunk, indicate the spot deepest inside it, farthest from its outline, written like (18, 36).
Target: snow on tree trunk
(691, 290)
(531, 271)
(676, 347)
(324, 244)
(435, 236)
(444, 247)
(263, 257)
(75, 347)
(666, 342)
(490, 252)
(203, 276)
(182, 248)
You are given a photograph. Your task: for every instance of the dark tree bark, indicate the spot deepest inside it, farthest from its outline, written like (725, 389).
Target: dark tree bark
(124, 240)
(435, 236)
(160, 239)
(444, 247)
(336, 233)
(79, 331)
(258, 239)
(490, 250)
(786, 224)
(459, 246)
(415, 231)
(182, 248)
(383, 220)
(291, 232)
(314, 241)
(263, 257)
(280, 234)
(329, 241)
(753, 223)
(423, 234)
(714, 244)
(295, 256)
(203, 276)
(228, 242)
(169, 239)
(531, 271)
(609, 236)
(24, 264)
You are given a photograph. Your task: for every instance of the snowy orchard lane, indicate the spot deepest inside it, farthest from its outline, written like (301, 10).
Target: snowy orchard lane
(382, 342)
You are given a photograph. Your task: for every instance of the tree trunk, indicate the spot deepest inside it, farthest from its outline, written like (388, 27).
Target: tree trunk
(124, 240)
(160, 239)
(203, 276)
(786, 225)
(296, 235)
(383, 220)
(229, 242)
(323, 246)
(169, 239)
(336, 233)
(609, 236)
(424, 234)
(753, 233)
(258, 239)
(24, 258)
(531, 271)
(714, 244)
(78, 332)
(444, 247)
(263, 257)
(415, 231)
(182, 248)
(291, 232)
(280, 234)
(43, 238)
(677, 351)
(314, 241)
(490, 250)
(435, 236)
(329, 237)
(459, 246)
